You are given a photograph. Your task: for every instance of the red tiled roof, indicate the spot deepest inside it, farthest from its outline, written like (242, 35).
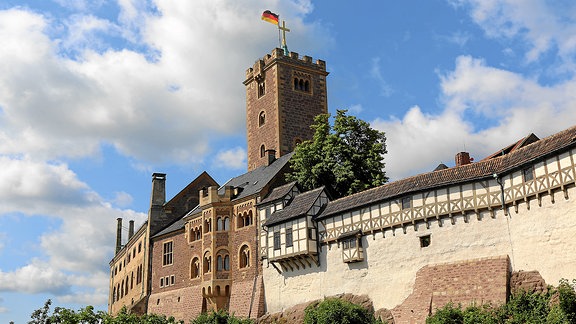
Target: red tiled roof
(462, 174)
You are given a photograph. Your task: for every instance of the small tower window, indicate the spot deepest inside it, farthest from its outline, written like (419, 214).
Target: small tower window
(425, 241)
(262, 150)
(244, 256)
(261, 88)
(261, 118)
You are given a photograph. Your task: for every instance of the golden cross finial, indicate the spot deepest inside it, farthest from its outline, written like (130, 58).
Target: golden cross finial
(284, 30)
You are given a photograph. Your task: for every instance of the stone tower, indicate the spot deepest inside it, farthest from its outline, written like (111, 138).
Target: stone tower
(283, 95)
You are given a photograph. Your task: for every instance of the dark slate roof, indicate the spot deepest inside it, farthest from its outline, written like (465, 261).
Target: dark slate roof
(253, 181)
(278, 193)
(466, 173)
(299, 206)
(179, 223)
(531, 138)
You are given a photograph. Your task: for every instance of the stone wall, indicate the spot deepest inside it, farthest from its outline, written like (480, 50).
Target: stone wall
(478, 282)
(184, 304)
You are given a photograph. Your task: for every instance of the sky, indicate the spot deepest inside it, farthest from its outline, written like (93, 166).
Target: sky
(96, 95)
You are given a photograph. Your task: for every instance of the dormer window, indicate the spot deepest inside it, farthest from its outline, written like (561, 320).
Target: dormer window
(351, 244)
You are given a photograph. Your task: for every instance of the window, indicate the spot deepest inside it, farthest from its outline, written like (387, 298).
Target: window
(195, 268)
(226, 262)
(289, 237)
(167, 254)
(261, 118)
(219, 263)
(528, 174)
(262, 151)
(352, 247)
(425, 241)
(244, 256)
(172, 280)
(261, 88)
(139, 247)
(301, 84)
(406, 202)
(208, 225)
(223, 224)
(207, 266)
(277, 240)
(161, 282)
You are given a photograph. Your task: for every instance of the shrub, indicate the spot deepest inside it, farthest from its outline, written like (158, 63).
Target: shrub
(335, 310)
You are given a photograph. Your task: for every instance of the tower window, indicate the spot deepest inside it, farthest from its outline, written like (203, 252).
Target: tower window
(262, 151)
(261, 88)
(302, 82)
(261, 118)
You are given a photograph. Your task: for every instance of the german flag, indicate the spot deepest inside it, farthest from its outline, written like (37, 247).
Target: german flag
(270, 17)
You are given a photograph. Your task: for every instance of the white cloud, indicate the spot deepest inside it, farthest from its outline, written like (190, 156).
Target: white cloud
(234, 158)
(473, 94)
(376, 73)
(175, 88)
(123, 199)
(76, 252)
(355, 109)
(544, 25)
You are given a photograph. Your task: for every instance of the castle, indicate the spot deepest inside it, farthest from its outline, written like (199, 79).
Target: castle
(257, 244)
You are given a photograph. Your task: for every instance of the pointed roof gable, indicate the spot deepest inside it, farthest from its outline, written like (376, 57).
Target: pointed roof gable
(299, 206)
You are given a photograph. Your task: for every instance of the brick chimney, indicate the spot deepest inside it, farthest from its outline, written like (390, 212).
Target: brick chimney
(462, 158)
(271, 154)
(130, 229)
(119, 235)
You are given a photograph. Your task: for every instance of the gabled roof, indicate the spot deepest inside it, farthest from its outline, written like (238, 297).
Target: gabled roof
(471, 172)
(299, 206)
(254, 181)
(531, 138)
(278, 193)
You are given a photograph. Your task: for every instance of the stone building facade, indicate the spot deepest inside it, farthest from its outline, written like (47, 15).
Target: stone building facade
(259, 245)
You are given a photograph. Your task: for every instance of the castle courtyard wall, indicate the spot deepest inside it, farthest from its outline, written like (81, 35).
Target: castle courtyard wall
(533, 237)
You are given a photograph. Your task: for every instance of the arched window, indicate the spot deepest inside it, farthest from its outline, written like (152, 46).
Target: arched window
(306, 86)
(195, 268)
(226, 223)
(301, 84)
(207, 266)
(244, 256)
(261, 88)
(296, 83)
(114, 295)
(262, 150)
(248, 219)
(219, 224)
(219, 263)
(261, 118)
(207, 225)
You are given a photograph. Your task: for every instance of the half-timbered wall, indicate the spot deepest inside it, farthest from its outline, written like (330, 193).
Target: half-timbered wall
(536, 230)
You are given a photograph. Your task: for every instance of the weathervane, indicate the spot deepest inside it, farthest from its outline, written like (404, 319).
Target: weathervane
(273, 19)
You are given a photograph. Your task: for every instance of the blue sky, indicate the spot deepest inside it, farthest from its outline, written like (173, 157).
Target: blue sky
(97, 95)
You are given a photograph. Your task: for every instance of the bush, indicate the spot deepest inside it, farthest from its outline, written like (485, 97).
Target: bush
(219, 317)
(335, 310)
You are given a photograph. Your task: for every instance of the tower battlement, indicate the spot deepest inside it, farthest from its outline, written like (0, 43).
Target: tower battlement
(293, 58)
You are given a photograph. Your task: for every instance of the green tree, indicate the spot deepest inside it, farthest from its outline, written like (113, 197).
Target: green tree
(346, 158)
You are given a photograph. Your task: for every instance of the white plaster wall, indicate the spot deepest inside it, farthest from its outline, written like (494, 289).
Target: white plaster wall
(539, 238)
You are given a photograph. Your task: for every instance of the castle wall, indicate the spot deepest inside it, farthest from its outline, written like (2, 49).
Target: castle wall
(464, 222)
(184, 303)
(537, 239)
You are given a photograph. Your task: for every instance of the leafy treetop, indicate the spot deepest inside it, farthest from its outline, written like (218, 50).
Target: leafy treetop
(346, 158)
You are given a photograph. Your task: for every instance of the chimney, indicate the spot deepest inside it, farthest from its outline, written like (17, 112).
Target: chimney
(119, 235)
(158, 197)
(271, 156)
(130, 229)
(462, 158)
